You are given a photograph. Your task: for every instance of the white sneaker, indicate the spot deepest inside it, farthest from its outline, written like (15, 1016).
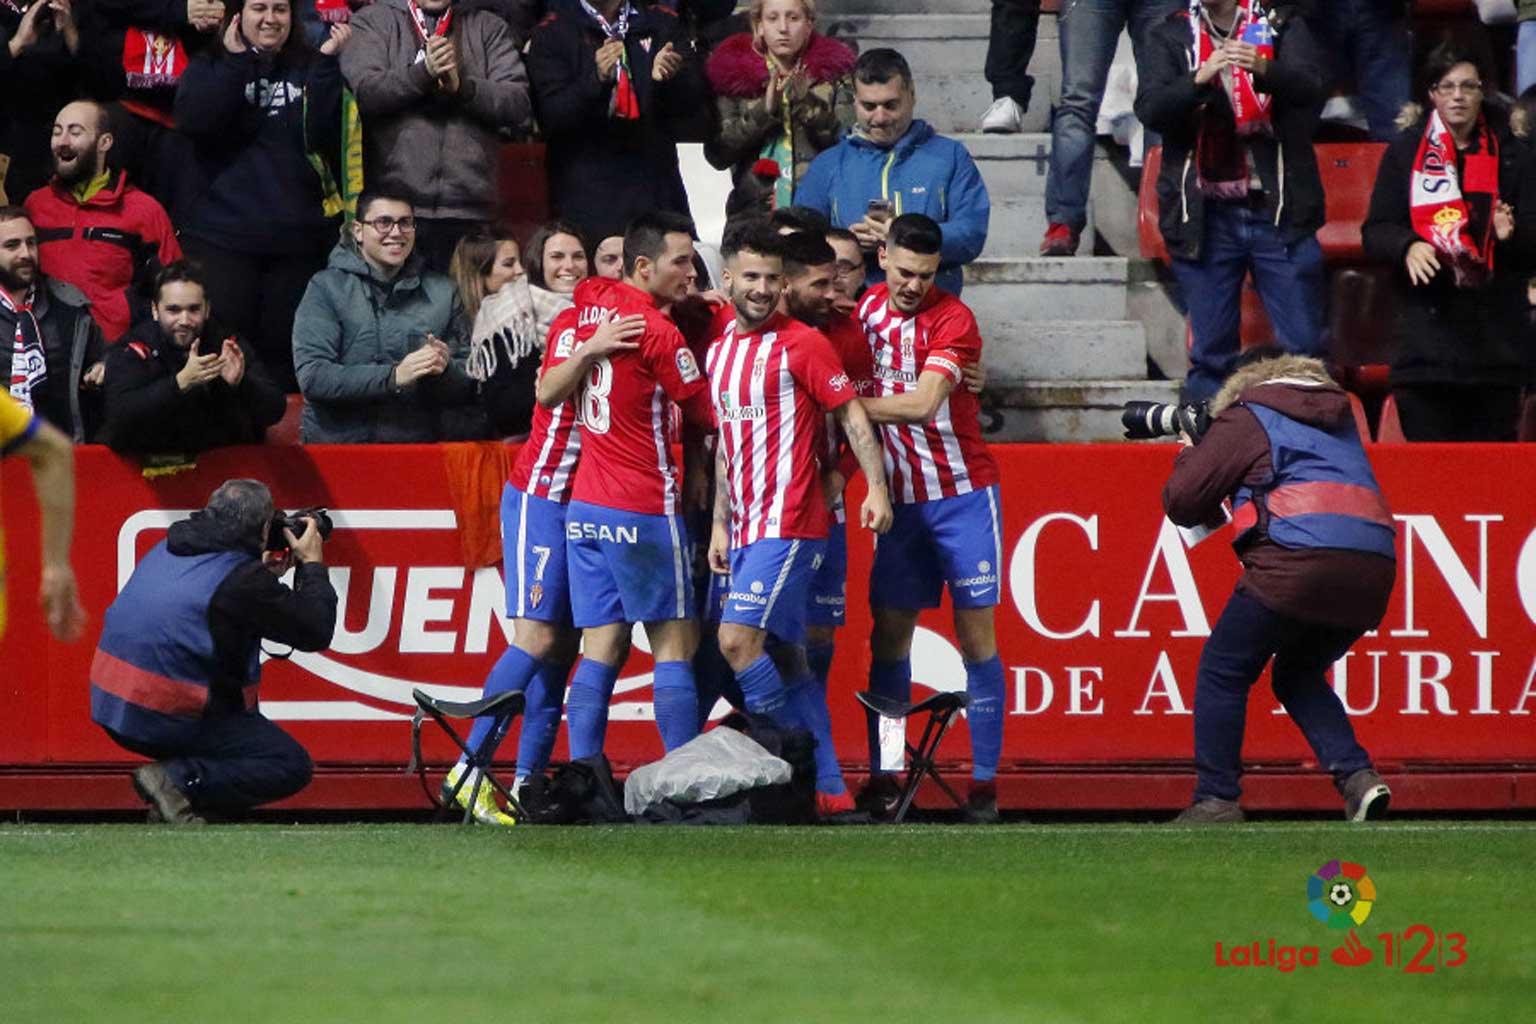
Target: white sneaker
(1003, 117)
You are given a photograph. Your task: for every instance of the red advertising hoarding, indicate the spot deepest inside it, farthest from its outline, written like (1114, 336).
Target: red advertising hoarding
(1104, 614)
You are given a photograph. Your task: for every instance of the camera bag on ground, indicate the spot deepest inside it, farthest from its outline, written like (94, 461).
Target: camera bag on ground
(744, 771)
(580, 793)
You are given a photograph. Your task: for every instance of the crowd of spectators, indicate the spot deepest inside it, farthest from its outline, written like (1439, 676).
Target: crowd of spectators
(214, 203)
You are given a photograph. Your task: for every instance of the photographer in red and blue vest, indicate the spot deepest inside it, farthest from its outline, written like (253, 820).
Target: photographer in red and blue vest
(1317, 544)
(177, 669)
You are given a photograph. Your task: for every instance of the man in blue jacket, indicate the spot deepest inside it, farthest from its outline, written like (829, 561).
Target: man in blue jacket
(889, 164)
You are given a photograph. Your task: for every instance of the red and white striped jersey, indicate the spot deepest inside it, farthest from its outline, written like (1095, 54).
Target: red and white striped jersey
(546, 463)
(625, 412)
(769, 390)
(847, 339)
(946, 457)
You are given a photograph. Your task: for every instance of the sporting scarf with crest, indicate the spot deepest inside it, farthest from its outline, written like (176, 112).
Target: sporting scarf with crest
(420, 21)
(624, 103)
(1443, 205)
(1250, 107)
(29, 364)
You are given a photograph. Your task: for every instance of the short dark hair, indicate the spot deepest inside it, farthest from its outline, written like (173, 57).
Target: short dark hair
(180, 271)
(878, 66)
(15, 213)
(804, 250)
(751, 236)
(1457, 48)
(245, 506)
(842, 235)
(371, 196)
(917, 233)
(647, 235)
(799, 218)
(533, 255)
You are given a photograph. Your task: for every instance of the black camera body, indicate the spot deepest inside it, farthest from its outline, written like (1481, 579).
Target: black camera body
(294, 521)
(1144, 421)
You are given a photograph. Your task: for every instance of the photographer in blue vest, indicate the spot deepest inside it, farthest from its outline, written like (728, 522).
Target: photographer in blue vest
(1317, 544)
(177, 669)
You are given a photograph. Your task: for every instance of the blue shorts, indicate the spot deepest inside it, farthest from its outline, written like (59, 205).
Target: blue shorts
(828, 598)
(626, 566)
(950, 540)
(769, 580)
(533, 557)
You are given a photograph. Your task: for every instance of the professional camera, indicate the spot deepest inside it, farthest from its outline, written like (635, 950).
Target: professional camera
(295, 521)
(1146, 420)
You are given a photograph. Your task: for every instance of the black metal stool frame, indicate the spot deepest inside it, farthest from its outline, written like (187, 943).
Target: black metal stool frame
(941, 708)
(504, 707)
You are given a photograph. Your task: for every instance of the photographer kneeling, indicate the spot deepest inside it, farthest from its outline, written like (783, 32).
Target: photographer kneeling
(1316, 540)
(177, 669)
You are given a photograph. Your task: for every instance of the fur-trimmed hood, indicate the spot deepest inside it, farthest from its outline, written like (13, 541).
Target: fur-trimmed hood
(1296, 386)
(736, 69)
(1415, 115)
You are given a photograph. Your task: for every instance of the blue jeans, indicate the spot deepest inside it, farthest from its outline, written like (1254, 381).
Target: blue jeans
(235, 762)
(1245, 638)
(1525, 57)
(1089, 30)
(1289, 278)
(1371, 37)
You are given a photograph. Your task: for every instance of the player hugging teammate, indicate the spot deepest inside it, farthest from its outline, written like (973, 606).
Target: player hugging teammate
(784, 373)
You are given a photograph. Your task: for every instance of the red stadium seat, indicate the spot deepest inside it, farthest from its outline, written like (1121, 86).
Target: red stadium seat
(1390, 429)
(1348, 170)
(1360, 309)
(286, 430)
(1147, 232)
(1362, 422)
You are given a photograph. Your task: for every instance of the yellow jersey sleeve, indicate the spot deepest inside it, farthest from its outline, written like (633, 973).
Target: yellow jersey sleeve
(17, 424)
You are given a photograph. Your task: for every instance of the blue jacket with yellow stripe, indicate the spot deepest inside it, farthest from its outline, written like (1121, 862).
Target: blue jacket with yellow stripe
(924, 172)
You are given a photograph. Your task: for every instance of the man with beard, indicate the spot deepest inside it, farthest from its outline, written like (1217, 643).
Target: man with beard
(180, 384)
(772, 378)
(98, 232)
(50, 348)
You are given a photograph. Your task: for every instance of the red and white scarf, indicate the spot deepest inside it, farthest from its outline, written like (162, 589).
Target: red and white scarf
(29, 363)
(420, 21)
(624, 104)
(152, 60)
(1442, 203)
(1250, 107)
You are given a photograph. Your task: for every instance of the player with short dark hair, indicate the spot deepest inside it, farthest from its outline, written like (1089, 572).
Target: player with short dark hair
(626, 541)
(772, 380)
(945, 485)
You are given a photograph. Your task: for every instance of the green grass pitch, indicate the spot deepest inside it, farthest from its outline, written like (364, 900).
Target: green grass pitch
(1017, 923)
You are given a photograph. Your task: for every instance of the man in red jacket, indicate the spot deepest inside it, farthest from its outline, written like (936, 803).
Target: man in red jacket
(96, 231)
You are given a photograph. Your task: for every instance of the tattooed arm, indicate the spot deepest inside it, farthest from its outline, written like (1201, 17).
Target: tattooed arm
(876, 512)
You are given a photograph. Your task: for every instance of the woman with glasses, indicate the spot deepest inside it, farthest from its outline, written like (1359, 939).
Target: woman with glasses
(379, 341)
(263, 111)
(1441, 218)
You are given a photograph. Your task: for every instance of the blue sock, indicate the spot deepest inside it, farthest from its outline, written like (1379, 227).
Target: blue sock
(586, 706)
(763, 691)
(985, 685)
(819, 657)
(541, 719)
(512, 671)
(676, 702)
(886, 679)
(808, 696)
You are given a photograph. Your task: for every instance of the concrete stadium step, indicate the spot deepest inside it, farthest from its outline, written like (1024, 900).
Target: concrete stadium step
(839, 9)
(1018, 224)
(947, 52)
(1011, 165)
(1064, 350)
(1071, 288)
(1056, 411)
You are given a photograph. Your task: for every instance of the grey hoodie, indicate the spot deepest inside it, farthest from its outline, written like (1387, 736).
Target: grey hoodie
(440, 151)
(350, 331)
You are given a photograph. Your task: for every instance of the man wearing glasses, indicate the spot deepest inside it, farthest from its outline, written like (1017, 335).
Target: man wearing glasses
(1236, 98)
(378, 342)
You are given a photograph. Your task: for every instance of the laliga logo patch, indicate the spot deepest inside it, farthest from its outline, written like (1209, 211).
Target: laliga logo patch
(686, 367)
(566, 343)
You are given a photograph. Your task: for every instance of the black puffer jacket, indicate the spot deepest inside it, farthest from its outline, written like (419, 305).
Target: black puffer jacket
(1444, 334)
(1170, 103)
